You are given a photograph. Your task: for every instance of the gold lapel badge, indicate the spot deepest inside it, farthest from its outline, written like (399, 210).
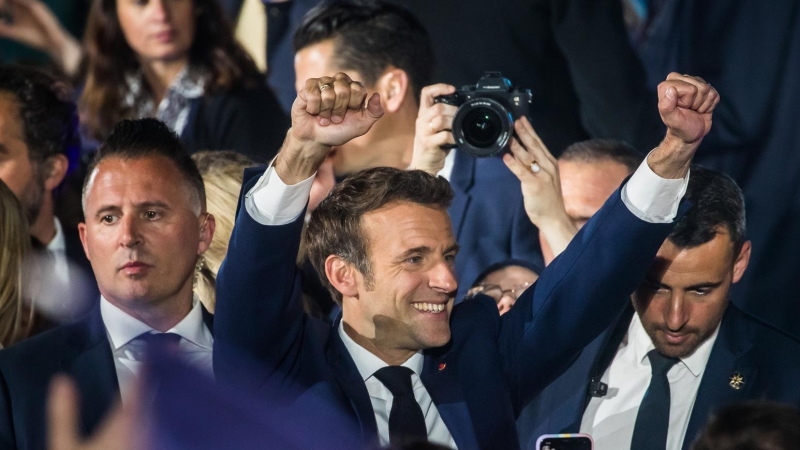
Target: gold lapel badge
(737, 381)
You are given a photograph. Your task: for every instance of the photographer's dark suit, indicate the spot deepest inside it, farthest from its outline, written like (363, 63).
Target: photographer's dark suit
(492, 365)
(489, 218)
(767, 360)
(573, 54)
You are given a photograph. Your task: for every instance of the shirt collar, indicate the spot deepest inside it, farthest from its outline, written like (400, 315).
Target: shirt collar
(123, 328)
(367, 363)
(642, 344)
(189, 83)
(58, 244)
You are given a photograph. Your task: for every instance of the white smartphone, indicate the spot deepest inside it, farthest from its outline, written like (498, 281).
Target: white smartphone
(565, 442)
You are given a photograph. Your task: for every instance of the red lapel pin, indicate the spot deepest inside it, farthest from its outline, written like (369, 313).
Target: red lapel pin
(442, 366)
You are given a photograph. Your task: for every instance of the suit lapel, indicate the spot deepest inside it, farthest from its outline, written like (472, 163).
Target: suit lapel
(461, 180)
(729, 356)
(350, 381)
(90, 363)
(445, 391)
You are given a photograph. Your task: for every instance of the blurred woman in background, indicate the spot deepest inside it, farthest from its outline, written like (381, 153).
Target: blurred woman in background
(222, 176)
(16, 319)
(177, 61)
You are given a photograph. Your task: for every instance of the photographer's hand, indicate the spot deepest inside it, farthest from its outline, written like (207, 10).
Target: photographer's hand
(433, 129)
(34, 25)
(327, 112)
(686, 105)
(541, 190)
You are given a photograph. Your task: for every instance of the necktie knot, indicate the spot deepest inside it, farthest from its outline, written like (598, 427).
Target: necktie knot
(659, 363)
(161, 342)
(397, 379)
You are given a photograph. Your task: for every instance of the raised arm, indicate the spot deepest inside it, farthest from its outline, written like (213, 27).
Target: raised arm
(259, 317)
(581, 293)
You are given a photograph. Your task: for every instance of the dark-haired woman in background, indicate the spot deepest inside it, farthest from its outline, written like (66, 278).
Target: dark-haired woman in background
(177, 60)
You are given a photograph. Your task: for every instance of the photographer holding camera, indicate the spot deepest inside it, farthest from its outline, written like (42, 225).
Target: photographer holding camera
(487, 213)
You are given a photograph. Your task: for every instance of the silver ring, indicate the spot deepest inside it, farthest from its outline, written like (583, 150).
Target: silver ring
(325, 86)
(535, 167)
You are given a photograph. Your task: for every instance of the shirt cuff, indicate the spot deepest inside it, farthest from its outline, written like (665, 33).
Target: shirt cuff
(273, 202)
(652, 198)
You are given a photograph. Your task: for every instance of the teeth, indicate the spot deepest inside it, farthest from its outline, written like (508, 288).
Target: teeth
(429, 307)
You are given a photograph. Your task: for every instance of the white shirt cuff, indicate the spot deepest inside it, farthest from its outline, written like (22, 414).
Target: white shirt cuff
(273, 202)
(652, 198)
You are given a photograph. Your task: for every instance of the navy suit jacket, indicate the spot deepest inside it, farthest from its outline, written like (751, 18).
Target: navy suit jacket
(479, 381)
(767, 359)
(80, 350)
(489, 218)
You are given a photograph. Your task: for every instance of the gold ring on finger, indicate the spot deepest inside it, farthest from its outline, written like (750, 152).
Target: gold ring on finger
(430, 124)
(325, 86)
(535, 167)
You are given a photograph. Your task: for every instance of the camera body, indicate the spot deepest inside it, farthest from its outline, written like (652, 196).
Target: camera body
(484, 122)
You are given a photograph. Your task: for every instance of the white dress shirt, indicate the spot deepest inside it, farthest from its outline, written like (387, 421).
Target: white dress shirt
(610, 419)
(272, 202)
(381, 398)
(194, 347)
(58, 248)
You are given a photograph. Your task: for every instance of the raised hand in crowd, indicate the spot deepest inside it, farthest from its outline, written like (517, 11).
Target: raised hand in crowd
(537, 171)
(328, 111)
(33, 24)
(121, 429)
(686, 104)
(433, 129)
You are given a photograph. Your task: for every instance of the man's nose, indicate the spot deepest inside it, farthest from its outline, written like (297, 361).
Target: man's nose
(676, 314)
(129, 232)
(443, 279)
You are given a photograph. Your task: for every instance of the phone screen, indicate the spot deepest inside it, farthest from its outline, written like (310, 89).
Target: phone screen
(565, 443)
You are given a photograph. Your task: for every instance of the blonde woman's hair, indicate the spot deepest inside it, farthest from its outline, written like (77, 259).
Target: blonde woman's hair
(222, 173)
(16, 318)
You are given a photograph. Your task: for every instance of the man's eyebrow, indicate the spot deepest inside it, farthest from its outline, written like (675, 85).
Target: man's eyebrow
(706, 285)
(421, 250)
(455, 248)
(144, 205)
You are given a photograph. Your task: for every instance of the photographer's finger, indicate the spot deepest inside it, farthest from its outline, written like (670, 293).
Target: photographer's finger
(429, 93)
(519, 170)
(440, 123)
(441, 138)
(538, 139)
(533, 147)
(520, 152)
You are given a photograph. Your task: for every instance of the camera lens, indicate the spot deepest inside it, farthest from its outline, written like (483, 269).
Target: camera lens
(482, 127)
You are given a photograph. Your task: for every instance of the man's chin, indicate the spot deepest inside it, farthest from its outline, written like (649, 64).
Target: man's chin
(677, 351)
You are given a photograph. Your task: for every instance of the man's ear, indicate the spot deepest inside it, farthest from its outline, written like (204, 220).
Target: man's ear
(393, 86)
(82, 235)
(55, 170)
(341, 275)
(207, 228)
(742, 260)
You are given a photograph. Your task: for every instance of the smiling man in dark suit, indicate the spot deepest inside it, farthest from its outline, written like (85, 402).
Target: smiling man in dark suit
(146, 225)
(402, 362)
(709, 352)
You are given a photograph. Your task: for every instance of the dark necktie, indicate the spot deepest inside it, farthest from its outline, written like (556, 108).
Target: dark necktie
(406, 422)
(652, 421)
(161, 343)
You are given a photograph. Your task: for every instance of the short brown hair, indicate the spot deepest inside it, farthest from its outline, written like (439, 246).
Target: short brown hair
(335, 227)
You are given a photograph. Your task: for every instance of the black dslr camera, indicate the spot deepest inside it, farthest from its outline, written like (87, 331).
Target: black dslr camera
(484, 123)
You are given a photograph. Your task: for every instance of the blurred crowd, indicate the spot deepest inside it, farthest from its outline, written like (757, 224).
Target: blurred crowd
(272, 224)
